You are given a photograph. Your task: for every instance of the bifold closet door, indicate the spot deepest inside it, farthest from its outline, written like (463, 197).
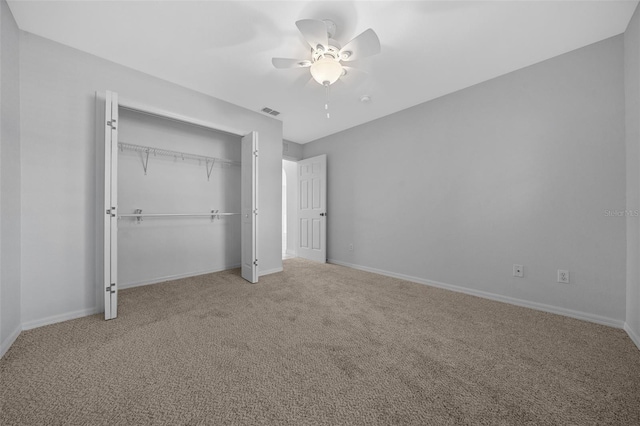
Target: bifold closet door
(249, 195)
(110, 288)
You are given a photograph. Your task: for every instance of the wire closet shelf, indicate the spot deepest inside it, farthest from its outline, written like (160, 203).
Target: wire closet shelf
(209, 162)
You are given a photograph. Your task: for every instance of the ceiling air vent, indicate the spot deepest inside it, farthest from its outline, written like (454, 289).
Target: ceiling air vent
(270, 111)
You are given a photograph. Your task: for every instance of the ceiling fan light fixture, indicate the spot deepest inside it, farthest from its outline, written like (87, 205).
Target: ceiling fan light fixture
(326, 70)
(327, 53)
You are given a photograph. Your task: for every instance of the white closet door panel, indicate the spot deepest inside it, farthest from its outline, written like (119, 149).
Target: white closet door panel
(106, 290)
(250, 207)
(114, 204)
(110, 206)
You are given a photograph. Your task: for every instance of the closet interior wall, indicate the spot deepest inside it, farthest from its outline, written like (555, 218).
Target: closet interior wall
(162, 248)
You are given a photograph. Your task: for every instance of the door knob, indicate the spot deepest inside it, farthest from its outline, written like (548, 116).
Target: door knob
(323, 214)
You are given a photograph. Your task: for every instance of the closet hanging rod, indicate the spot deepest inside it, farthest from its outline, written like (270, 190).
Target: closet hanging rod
(176, 154)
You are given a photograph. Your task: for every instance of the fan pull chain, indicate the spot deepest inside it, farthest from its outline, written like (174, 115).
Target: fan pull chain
(326, 102)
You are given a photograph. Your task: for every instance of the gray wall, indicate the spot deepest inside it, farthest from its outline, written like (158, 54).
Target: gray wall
(632, 97)
(61, 197)
(291, 169)
(10, 325)
(291, 151)
(519, 169)
(159, 249)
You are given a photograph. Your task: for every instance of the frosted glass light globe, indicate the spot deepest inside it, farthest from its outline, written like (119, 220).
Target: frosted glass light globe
(326, 70)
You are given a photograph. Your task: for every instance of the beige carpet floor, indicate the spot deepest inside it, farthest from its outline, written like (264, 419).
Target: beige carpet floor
(318, 344)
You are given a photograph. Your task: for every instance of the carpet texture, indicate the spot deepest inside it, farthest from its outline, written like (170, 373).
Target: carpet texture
(318, 344)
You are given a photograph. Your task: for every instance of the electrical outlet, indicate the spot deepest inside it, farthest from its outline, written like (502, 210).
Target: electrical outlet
(518, 271)
(563, 276)
(351, 247)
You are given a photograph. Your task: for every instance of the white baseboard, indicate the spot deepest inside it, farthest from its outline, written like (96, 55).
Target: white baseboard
(270, 271)
(632, 334)
(91, 311)
(59, 318)
(492, 296)
(176, 277)
(4, 346)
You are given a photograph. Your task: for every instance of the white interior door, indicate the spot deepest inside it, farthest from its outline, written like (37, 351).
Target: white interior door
(250, 207)
(110, 206)
(312, 208)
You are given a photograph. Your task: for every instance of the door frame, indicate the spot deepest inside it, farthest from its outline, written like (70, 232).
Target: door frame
(106, 135)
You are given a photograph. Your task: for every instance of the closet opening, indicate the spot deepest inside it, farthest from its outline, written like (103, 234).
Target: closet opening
(180, 197)
(190, 177)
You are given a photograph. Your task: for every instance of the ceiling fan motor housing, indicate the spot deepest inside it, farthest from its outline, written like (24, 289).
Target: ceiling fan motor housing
(331, 27)
(332, 51)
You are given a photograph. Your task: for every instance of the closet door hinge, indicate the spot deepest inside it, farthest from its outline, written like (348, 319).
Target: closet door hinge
(255, 262)
(112, 211)
(112, 124)
(255, 211)
(112, 288)
(255, 153)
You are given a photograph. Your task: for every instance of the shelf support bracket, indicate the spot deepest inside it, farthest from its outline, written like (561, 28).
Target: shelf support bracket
(210, 169)
(145, 160)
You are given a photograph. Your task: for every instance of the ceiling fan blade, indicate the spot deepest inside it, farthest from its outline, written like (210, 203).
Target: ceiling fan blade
(314, 32)
(305, 81)
(366, 44)
(290, 63)
(353, 76)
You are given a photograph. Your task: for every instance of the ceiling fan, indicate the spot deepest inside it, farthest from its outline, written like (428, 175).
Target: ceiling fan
(327, 56)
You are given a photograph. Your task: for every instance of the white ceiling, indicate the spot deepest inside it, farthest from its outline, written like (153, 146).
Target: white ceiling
(224, 48)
